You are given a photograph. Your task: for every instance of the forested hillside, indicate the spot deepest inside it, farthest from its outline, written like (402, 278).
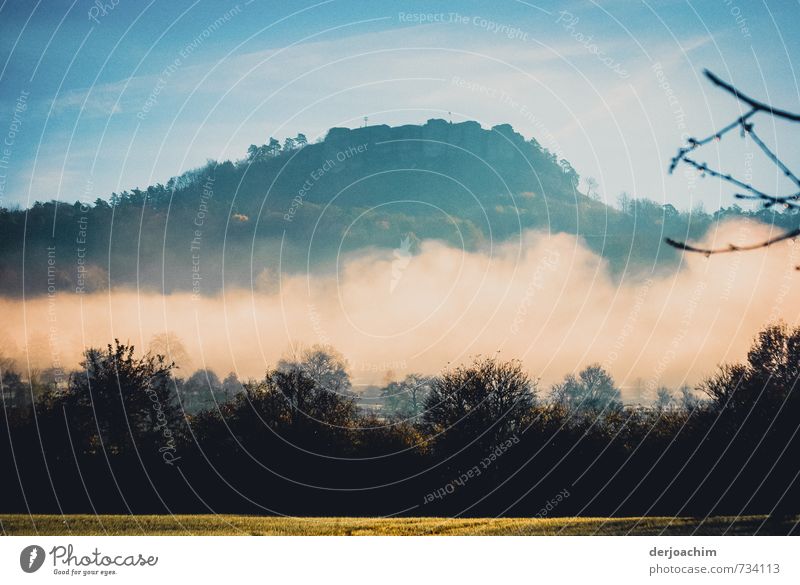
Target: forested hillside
(296, 206)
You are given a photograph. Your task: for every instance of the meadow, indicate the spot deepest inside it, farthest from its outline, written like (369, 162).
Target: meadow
(231, 525)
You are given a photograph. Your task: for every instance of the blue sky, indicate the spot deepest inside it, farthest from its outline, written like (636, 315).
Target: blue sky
(144, 91)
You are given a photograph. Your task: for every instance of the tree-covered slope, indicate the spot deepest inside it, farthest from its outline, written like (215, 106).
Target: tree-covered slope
(301, 206)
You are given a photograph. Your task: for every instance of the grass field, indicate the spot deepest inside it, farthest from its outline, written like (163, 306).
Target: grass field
(19, 524)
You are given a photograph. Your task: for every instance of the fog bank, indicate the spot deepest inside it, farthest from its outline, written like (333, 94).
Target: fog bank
(546, 300)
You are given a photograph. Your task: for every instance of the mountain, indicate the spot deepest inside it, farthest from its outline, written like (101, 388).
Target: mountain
(301, 206)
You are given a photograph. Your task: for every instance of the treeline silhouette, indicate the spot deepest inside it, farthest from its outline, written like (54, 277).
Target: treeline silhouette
(476, 440)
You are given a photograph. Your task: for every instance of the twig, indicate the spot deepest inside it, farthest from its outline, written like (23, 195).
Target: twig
(788, 201)
(756, 105)
(743, 122)
(695, 144)
(704, 168)
(733, 247)
(771, 155)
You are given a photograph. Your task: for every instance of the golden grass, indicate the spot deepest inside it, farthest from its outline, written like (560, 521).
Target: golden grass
(79, 524)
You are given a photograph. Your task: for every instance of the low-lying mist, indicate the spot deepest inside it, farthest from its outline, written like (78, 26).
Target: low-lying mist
(546, 300)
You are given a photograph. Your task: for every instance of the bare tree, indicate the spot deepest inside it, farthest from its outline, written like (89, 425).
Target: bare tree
(170, 346)
(406, 397)
(746, 125)
(664, 399)
(592, 390)
(324, 365)
(591, 188)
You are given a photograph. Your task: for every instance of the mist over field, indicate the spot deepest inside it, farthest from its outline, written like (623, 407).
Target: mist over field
(544, 299)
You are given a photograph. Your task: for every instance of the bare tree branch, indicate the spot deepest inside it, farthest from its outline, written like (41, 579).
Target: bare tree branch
(733, 247)
(746, 127)
(756, 105)
(772, 156)
(704, 168)
(694, 144)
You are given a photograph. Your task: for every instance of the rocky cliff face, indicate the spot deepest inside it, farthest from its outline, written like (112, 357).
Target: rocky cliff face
(435, 139)
(438, 162)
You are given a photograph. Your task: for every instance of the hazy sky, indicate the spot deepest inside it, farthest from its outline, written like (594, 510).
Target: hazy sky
(132, 94)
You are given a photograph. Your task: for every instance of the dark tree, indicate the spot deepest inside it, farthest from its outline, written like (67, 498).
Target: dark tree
(489, 399)
(290, 399)
(273, 148)
(16, 394)
(290, 406)
(117, 402)
(231, 386)
(592, 390)
(201, 391)
(757, 405)
(766, 382)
